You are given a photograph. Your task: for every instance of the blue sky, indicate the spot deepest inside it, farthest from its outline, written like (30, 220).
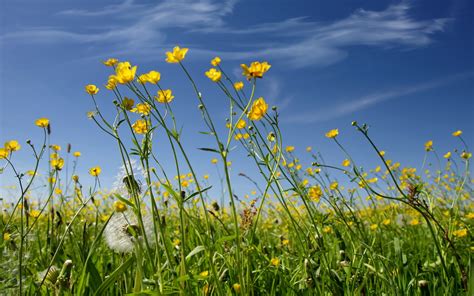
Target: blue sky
(406, 68)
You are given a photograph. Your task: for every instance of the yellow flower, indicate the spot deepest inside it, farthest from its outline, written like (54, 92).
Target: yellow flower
(58, 191)
(128, 103)
(315, 193)
(142, 108)
(414, 222)
(333, 186)
(124, 72)
(346, 163)
(177, 55)
(140, 126)
(382, 153)
(111, 82)
(256, 69)
(42, 122)
(236, 288)
(6, 236)
(447, 155)
(429, 146)
(275, 261)
(238, 136)
(12, 145)
(120, 206)
(214, 74)
(110, 62)
(152, 77)
(466, 155)
(238, 85)
(75, 178)
(386, 222)
(309, 149)
(206, 177)
(204, 273)
(57, 163)
(290, 148)
(92, 89)
(35, 213)
(457, 133)
(164, 96)
(332, 133)
(258, 109)
(95, 171)
(214, 160)
(374, 227)
(77, 154)
(3, 153)
(460, 233)
(327, 229)
(216, 61)
(241, 124)
(56, 147)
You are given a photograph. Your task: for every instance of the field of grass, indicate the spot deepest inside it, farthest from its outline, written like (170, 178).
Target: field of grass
(307, 229)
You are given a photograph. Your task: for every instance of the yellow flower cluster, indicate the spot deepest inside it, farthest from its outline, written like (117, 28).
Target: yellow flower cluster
(258, 109)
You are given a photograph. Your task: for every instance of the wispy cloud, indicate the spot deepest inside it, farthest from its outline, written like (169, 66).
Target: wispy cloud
(366, 101)
(299, 42)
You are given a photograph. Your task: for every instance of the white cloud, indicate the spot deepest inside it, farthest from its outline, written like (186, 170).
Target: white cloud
(364, 102)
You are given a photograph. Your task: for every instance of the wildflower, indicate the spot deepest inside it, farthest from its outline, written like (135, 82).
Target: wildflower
(334, 185)
(332, 133)
(275, 262)
(238, 85)
(92, 89)
(309, 149)
(3, 153)
(429, 146)
(382, 153)
(177, 55)
(236, 288)
(216, 61)
(256, 69)
(142, 108)
(414, 222)
(374, 227)
(346, 163)
(120, 206)
(123, 230)
(214, 74)
(75, 178)
(42, 122)
(164, 96)
(140, 126)
(35, 213)
(111, 82)
(91, 114)
(152, 77)
(124, 72)
(56, 147)
(470, 215)
(214, 160)
(460, 232)
(6, 236)
(205, 273)
(128, 103)
(241, 124)
(386, 222)
(57, 163)
(327, 229)
(110, 62)
(447, 155)
(457, 133)
(466, 155)
(315, 193)
(76, 154)
(258, 109)
(58, 191)
(95, 171)
(290, 148)
(12, 145)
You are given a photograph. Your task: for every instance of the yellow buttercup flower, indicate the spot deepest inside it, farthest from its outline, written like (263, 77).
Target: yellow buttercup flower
(95, 171)
(92, 89)
(56, 147)
(214, 74)
(275, 261)
(255, 70)
(447, 155)
(290, 148)
(241, 124)
(382, 153)
(460, 233)
(332, 133)
(204, 273)
(429, 146)
(315, 193)
(111, 82)
(334, 186)
(309, 149)
(386, 222)
(346, 163)
(120, 206)
(214, 160)
(374, 227)
(238, 85)
(457, 133)
(12, 145)
(42, 122)
(466, 155)
(110, 62)
(140, 126)
(3, 153)
(142, 108)
(216, 61)
(152, 77)
(77, 154)
(236, 288)
(7, 236)
(124, 72)
(164, 96)
(177, 55)
(57, 163)
(128, 103)
(258, 109)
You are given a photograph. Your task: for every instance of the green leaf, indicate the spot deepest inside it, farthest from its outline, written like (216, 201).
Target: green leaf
(209, 150)
(110, 280)
(196, 250)
(196, 193)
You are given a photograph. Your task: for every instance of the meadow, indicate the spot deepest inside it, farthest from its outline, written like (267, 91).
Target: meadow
(307, 229)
